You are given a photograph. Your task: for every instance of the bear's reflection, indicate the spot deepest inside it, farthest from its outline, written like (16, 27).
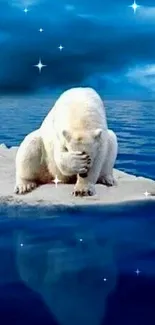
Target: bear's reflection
(72, 272)
(82, 262)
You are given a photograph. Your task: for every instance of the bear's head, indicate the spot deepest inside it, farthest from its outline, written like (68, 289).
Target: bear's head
(88, 141)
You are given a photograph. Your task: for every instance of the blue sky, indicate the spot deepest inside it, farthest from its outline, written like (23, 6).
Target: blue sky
(106, 46)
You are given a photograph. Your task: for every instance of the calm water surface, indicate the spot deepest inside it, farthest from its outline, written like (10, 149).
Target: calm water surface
(78, 266)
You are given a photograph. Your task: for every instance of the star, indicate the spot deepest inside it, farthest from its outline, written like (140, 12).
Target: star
(146, 194)
(40, 65)
(134, 6)
(137, 272)
(60, 47)
(104, 279)
(41, 30)
(81, 239)
(21, 244)
(25, 10)
(56, 181)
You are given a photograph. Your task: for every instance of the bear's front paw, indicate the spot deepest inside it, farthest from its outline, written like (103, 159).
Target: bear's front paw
(79, 162)
(108, 180)
(84, 190)
(24, 187)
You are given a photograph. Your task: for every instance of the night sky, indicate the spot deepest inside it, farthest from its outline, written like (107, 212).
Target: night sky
(105, 45)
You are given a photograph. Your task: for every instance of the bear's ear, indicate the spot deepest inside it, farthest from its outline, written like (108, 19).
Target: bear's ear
(66, 135)
(97, 133)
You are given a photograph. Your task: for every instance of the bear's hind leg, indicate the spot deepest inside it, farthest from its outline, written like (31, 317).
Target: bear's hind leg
(106, 176)
(28, 163)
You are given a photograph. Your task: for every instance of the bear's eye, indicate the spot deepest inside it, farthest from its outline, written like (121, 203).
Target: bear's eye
(65, 149)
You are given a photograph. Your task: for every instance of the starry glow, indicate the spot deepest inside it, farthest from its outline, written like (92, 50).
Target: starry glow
(21, 244)
(134, 6)
(41, 30)
(26, 10)
(104, 279)
(137, 272)
(146, 194)
(56, 181)
(60, 47)
(81, 239)
(40, 65)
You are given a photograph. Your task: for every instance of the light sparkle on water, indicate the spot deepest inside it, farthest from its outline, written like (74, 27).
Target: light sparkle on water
(137, 271)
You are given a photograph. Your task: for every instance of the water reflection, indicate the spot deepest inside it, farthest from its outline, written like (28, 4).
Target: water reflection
(80, 263)
(69, 273)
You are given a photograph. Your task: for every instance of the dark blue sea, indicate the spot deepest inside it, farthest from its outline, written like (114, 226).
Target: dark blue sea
(80, 266)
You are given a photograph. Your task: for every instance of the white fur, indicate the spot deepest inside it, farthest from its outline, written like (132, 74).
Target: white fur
(76, 123)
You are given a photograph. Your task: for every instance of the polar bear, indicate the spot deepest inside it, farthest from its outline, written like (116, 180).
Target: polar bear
(73, 144)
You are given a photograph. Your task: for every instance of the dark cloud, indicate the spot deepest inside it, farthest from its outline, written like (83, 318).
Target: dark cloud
(101, 40)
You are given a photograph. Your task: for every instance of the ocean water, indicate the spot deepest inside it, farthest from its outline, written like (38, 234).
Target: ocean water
(80, 266)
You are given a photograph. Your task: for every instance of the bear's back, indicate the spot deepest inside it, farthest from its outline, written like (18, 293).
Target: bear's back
(79, 107)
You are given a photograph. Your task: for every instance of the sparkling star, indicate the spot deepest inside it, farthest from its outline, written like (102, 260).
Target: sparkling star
(81, 239)
(21, 244)
(104, 279)
(146, 194)
(134, 6)
(137, 272)
(41, 30)
(56, 181)
(60, 47)
(40, 65)
(26, 10)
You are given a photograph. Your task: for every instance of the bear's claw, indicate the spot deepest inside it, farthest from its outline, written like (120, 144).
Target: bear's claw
(83, 190)
(83, 193)
(25, 188)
